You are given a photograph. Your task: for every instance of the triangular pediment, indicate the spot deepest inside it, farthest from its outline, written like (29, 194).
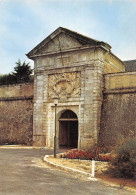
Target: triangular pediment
(63, 40)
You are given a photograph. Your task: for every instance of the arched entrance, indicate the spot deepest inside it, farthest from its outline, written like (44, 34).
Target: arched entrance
(68, 130)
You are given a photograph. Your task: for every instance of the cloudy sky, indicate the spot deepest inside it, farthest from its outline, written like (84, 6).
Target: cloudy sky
(25, 23)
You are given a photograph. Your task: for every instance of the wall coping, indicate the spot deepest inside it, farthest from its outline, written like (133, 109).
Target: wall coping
(120, 73)
(19, 84)
(120, 91)
(16, 98)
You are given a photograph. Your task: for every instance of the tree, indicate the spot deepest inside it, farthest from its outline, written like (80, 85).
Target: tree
(7, 79)
(22, 72)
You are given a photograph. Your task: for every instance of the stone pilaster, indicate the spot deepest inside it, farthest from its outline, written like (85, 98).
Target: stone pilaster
(38, 139)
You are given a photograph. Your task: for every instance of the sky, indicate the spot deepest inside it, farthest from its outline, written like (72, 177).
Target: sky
(25, 23)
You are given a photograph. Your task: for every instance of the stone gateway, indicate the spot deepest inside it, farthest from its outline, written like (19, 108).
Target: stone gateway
(70, 66)
(96, 97)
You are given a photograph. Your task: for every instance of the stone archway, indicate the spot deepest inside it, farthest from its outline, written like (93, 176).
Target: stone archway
(68, 130)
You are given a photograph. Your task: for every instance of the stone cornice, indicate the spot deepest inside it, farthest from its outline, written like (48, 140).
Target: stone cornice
(78, 67)
(119, 74)
(78, 49)
(120, 91)
(16, 98)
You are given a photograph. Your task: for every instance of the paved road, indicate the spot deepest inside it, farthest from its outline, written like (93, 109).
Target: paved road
(22, 172)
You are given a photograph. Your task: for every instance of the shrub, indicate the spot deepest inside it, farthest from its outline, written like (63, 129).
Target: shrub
(102, 150)
(124, 161)
(104, 157)
(78, 154)
(86, 155)
(7, 79)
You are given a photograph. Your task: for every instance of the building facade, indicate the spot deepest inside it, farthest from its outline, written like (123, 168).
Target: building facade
(71, 67)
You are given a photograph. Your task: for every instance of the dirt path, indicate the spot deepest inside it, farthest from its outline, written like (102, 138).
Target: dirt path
(100, 168)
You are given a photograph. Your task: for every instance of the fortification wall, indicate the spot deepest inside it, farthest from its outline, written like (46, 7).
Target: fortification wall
(16, 114)
(117, 117)
(118, 108)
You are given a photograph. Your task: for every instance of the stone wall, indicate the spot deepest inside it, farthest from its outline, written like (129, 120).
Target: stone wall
(16, 114)
(119, 108)
(113, 64)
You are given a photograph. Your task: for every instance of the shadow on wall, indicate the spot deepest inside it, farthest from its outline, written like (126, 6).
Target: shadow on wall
(118, 118)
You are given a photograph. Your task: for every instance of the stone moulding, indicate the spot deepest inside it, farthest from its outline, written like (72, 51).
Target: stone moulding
(120, 91)
(16, 98)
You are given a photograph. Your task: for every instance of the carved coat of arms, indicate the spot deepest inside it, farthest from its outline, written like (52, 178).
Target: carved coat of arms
(64, 85)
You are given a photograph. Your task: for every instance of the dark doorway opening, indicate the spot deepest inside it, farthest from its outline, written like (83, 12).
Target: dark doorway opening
(68, 130)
